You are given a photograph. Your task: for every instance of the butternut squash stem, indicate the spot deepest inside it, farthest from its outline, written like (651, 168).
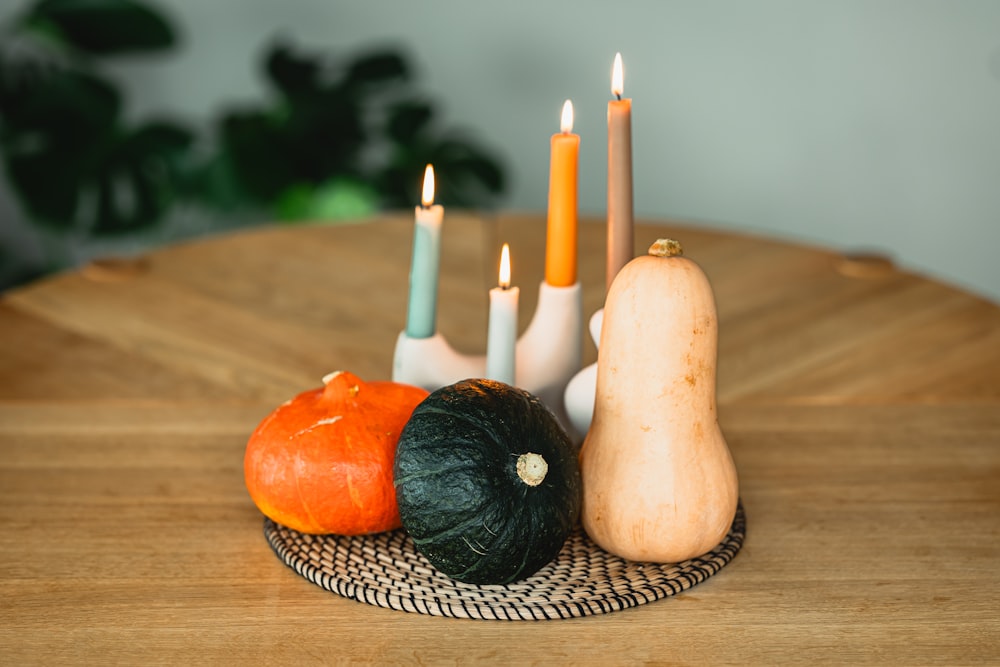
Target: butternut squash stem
(666, 248)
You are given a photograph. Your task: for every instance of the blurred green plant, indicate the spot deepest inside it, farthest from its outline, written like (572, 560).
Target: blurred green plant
(336, 137)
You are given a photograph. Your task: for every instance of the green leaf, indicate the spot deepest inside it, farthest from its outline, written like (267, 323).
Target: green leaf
(137, 178)
(408, 119)
(152, 192)
(155, 139)
(469, 175)
(68, 106)
(214, 183)
(48, 185)
(130, 174)
(484, 170)
(337, 199)
(390, 182)
(291, 73)
(256, 148)
(378, 68)
(343, 199)
(106, 27)
(325, 135)
(107, 210)
(294, 202)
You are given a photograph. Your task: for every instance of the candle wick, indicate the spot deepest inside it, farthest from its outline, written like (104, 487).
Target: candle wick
(619, 96)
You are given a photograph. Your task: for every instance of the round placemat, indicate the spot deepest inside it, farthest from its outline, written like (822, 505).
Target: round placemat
(386, 570)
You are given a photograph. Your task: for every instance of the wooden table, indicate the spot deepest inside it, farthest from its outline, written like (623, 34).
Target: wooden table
(861, 403)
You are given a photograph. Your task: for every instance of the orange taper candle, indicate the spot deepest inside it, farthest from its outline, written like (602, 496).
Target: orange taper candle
(561, 236)
(620, 222)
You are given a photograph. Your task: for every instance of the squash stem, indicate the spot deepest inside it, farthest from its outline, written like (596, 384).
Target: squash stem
(665, 248)
(532, 468)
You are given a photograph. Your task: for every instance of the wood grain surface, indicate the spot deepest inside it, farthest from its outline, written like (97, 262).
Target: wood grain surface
(861, 403)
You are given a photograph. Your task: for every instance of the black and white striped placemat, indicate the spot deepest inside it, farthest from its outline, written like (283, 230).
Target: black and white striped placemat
(387, 571)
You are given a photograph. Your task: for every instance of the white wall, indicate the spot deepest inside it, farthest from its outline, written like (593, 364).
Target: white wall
(868, 124)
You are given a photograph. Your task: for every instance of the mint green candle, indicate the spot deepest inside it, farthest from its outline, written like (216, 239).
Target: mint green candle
(421, 309)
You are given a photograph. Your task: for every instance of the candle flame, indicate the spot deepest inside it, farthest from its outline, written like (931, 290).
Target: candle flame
(566, 122)
(428, 195)
(617, 77)
(505, 266)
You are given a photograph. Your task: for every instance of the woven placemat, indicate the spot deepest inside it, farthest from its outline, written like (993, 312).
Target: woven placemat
(386, 570)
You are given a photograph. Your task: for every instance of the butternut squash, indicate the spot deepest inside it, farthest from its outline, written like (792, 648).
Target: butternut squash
(659, 483)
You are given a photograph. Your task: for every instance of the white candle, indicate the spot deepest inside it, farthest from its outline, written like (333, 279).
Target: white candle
(501, 339)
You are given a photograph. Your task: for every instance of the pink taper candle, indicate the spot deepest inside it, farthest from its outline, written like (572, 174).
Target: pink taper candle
(620, 218)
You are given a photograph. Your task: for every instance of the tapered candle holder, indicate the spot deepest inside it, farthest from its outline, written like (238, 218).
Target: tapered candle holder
(432, 362)
(548, 354)
(550, 351)
(579, 395)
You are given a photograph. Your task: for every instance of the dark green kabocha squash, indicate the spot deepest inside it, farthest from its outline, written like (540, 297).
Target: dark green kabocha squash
(487, 482)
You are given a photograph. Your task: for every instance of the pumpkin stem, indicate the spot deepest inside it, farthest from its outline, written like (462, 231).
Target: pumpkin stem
(341, 385)
(532, 468)
(666, 248)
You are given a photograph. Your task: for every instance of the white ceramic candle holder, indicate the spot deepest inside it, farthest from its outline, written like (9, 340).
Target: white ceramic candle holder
(432, 362)
(549, 353)
(580, 391)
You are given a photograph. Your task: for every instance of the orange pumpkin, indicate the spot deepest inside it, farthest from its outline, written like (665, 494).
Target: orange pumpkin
(322, 462)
